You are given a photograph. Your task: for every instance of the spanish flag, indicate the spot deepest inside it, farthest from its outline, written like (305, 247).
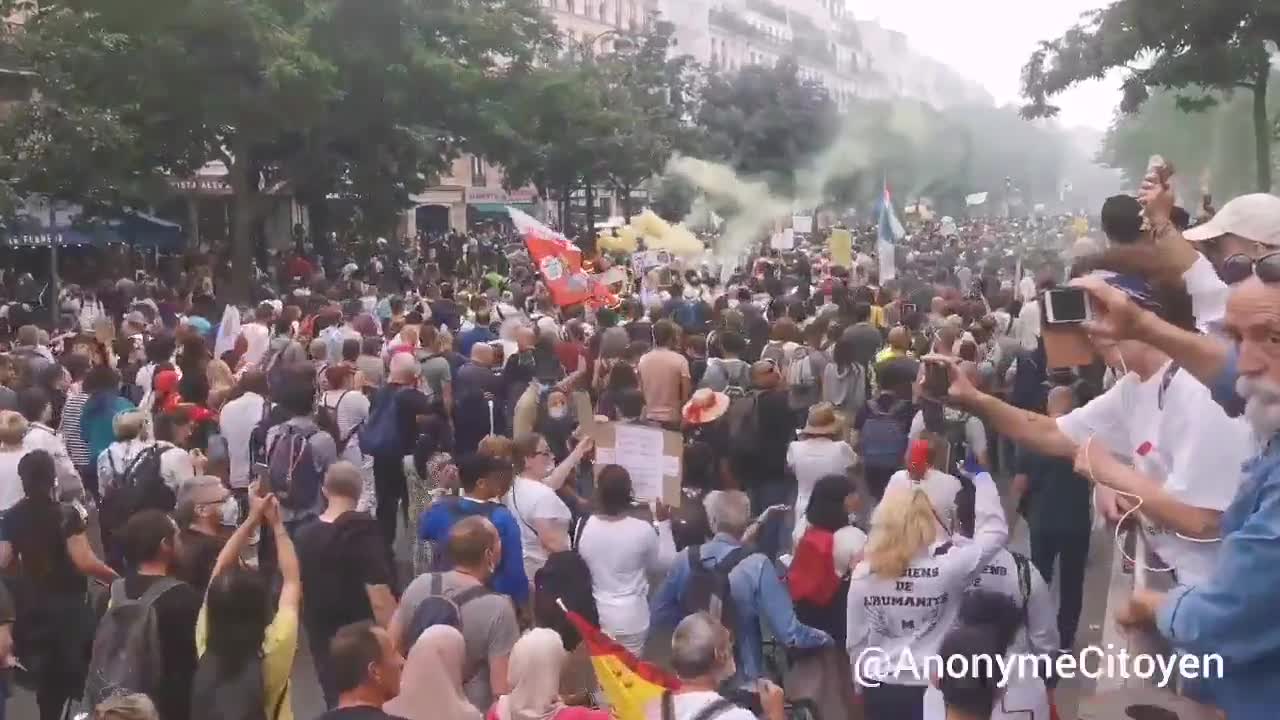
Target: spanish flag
(629, 683)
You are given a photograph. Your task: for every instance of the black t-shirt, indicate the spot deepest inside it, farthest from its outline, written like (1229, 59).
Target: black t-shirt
(777, 429)
(363, 712)
(39, 534)
(338, 560)
(410, 404)
(1058, 498)
(196, 557)
(176, 612)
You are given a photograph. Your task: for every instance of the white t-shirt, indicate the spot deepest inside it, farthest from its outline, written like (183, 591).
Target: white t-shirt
(686, 706)
(975, 433)
(531, 501)
(10, 484)
(236, 423)
(1027, 329)
(1190, 447)
(811, 460)
(1027, 288)
(941, 489)
(914, 612)
(1208, 292)
(257, 340)
(621, 554)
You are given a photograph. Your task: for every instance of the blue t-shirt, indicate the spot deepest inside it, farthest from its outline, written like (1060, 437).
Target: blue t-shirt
(509, 578)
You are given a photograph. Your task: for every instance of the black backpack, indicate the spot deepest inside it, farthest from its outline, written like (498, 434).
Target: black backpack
(327, 419)
(139, 487)
(258, 435)
(222, 693)
(707, 589)
(743, 418)
(128, 652)
(440, 608)
(565, 579)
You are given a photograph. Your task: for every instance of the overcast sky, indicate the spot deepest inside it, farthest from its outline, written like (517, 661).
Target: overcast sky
(990, 40)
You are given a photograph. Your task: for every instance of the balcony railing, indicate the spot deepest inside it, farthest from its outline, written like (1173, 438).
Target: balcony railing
(769, 9)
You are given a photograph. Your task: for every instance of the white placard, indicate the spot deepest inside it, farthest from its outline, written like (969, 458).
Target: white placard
(785, 240)
(639, 450)
(802, 223)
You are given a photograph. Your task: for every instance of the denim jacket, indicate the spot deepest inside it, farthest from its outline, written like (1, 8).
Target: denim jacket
(1234, 614)
(757, 593)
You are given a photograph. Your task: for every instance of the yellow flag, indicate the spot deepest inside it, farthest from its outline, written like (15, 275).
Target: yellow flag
(841, 245)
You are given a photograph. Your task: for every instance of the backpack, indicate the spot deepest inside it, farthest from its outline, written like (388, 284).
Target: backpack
(139, 487)
(380, 434)
(128, 652)
(707, 588)
(777, 352)
(222, 694)
(743, 418)
(565, 578)
(327, 419)
(736, 382)
(440, 560)
(292, 473)
(258, 436)
(883, 441)
(440, 608)
(802, 382)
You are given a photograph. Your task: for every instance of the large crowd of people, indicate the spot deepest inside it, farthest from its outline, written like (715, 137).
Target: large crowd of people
(396, 459)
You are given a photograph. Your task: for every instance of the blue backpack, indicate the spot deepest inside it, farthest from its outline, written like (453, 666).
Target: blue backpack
(380, 434)
(883, 441)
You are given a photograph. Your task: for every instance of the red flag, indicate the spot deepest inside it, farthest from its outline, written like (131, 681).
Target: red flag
(560, 264)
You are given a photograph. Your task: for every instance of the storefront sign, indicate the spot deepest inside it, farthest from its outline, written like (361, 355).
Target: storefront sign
(481, 196)
(202, 186)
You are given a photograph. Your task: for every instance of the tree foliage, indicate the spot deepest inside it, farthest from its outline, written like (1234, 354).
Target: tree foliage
(326, 96)
(766, 121)
(1189, 46)
(1213, 150)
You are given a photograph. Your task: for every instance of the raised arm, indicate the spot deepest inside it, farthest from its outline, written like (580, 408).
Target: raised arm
(1031, 429)
(286, 556)
(557, 478)
(239, 540)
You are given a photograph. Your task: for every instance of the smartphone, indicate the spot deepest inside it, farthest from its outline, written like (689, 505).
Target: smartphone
(1066, 306)
(260, 474)
(908, 308)
(937, 379)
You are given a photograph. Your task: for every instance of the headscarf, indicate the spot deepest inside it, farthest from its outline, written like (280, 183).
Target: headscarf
(534, 671)
(431, 682)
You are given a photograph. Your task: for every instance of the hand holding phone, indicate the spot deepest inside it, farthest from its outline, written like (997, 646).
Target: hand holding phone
(1066, 306)
(937, 379)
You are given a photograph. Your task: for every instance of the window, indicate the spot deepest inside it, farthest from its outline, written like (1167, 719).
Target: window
(572, 5)
(477, 171)
(604, 13)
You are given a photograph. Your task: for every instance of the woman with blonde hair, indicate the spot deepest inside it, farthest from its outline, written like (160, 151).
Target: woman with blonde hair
(221, 384)
(905, 593)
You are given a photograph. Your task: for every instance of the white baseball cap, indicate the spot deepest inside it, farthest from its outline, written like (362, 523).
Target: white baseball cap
(1254, 217)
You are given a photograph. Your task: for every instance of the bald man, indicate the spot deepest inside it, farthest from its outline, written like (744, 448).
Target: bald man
(475, 386)
(899, 345)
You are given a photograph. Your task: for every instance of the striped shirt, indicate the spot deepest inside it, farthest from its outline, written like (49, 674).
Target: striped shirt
(69, 428)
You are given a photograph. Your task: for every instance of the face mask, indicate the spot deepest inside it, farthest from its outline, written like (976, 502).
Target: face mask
(230, 512)
(557, 412)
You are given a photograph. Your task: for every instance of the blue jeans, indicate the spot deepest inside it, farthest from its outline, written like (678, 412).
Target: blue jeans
(772, 537)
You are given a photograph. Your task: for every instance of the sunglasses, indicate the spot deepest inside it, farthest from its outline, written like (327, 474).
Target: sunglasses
(1239, 267)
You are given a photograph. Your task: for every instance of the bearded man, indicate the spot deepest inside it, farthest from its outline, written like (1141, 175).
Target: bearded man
(1232, 612)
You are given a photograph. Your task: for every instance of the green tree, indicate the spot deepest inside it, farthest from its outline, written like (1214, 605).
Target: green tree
(322, 95)
(1190, 46)
(766, 122)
